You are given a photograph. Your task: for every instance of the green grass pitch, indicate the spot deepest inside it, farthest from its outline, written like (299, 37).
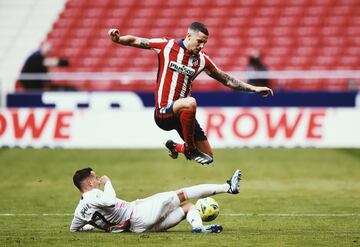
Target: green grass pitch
(289, 197)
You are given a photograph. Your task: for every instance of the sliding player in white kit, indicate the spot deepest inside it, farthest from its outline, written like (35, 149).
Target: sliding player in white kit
(102, 209)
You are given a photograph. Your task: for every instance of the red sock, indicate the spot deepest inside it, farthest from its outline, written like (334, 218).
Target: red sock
(179, 148)
(187, 120)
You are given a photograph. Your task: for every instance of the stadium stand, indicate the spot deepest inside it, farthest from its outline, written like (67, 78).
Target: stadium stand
(24, 24)
(293, 35)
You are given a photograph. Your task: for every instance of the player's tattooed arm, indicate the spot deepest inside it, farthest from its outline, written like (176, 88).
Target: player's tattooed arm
(133, 41)
(238, 84)
(128, 40)
(230, 81)
(144, 43)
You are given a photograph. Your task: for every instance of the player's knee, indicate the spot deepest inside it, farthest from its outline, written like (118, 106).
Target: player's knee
(187, 207)
(188, 104)
(191, 104)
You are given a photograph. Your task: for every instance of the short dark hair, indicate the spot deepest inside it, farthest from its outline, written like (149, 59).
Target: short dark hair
(81, 175)
(198, 26)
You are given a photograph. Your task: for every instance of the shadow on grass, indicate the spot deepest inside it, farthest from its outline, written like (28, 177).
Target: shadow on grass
(354, 153)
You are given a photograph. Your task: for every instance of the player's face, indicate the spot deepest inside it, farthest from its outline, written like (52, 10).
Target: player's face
(95, 182)
(196, 42)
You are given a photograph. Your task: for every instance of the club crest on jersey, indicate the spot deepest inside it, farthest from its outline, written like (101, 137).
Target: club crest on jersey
(181, 68)
(195, 61)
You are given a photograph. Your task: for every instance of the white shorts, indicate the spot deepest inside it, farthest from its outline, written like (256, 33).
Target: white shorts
(152, 210)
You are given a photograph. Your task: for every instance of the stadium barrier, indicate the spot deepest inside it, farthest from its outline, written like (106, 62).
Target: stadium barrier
(343, 80)
(150, 76)
(136, 100)
(225, 127)
(125, 119)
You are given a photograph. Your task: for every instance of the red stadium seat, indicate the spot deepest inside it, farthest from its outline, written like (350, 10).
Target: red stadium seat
(292, 34)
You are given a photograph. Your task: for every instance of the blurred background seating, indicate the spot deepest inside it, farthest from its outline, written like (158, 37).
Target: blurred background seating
(291, 34)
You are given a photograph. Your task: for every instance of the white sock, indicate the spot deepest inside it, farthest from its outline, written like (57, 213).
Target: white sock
(193, 217)
(204, 190)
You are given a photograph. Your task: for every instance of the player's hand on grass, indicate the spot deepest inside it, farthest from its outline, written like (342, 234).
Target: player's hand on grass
(104, 179)
(114, 34)
(265, 91)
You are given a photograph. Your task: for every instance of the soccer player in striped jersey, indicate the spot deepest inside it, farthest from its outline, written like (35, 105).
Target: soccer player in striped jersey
(100, 208)
(180, 62)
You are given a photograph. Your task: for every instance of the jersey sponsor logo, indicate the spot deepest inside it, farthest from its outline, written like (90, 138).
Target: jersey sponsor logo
(181, 68)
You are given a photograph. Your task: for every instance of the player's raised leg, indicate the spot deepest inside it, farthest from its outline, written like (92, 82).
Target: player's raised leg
(165, 210)
(185, 109)
(203, 190)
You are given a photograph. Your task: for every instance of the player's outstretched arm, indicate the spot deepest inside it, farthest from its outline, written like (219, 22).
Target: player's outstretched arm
(238, 84)
(108, 197)
(128, 40)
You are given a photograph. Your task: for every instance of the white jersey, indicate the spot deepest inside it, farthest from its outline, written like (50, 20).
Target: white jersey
(101, 209)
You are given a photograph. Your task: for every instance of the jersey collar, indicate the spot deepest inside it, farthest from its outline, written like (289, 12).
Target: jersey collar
(181, 44)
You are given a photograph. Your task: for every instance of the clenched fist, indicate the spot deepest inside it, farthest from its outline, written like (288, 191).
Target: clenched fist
(103, 180)
(114, 34)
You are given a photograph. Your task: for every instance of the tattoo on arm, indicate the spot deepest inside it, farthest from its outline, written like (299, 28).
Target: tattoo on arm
(144, 43)
(230, 81)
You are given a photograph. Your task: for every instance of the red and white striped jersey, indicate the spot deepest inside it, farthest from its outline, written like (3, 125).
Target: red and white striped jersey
(177, 69)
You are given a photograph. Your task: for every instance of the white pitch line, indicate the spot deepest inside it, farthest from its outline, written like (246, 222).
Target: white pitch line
(49, 214)
(225, 214)
(291, 215)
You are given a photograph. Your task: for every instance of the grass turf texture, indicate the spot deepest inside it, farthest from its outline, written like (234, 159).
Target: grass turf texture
(289, 197)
